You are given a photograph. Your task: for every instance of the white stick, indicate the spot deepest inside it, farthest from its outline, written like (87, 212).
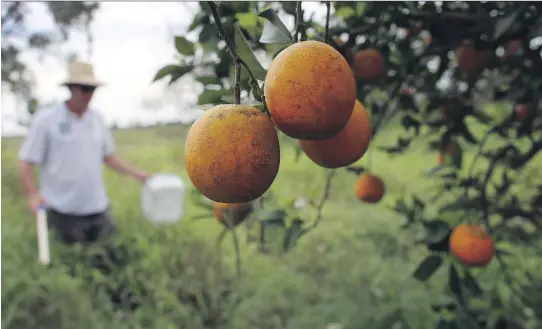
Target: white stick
(43, 236)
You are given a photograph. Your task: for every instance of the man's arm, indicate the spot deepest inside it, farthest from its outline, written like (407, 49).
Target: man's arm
(117, 164)
(32, 152)
(113, 161)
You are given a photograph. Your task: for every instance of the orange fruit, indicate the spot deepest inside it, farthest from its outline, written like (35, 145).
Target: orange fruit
(472, 245)
(310, 91)
(345, 148)
(369, 64)
(234, 212)
(472, 61)
(369, 188)
(232, 153)
(521, 112)
(512, 47)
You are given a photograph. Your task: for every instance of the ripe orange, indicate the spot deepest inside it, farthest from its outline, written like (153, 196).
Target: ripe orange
(472, 245)
(369, 64)
(369, 188)
(232, 153)
(310, 91)
(345, 148)
(234, 212)
(470, 60)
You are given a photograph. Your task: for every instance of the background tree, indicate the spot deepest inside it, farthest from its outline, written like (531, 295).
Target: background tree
(462, 79)
(17, 38)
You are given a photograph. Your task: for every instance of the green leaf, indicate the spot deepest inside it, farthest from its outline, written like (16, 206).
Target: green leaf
(454, 282)
(243, 49)
(274, 30)
(435, 230)
(213, 96)
(209, 80)
(427, 267)
(184, 46)
(503, 24)
(471, 284)
(247, 20)
(292, 234)
(173, 70)
(345, 12)
(177, 74)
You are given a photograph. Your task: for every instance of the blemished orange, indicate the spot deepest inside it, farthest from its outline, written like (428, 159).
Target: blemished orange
(370, 188)
(232, 153)
(345, 148)
(472, 61)
(369, 64)
(472, 245)
(236, 213)
(310, 91)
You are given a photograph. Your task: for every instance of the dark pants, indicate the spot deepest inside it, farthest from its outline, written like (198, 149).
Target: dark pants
(83, 229)
(90, 229)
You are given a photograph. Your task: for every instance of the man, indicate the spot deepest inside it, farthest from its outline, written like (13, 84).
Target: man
(70, 143)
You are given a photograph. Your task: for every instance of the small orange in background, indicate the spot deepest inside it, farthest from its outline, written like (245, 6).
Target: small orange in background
(512, 47)
(521, 112)
(345, 148)
(236, 213)
(450, 149)
(470, 60)
(369, 64)
(369, 188)
(472, 245)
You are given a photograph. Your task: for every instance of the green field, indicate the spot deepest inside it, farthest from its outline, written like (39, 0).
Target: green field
(354, 269)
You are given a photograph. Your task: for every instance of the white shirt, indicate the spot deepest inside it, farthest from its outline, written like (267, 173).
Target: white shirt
(70, 152)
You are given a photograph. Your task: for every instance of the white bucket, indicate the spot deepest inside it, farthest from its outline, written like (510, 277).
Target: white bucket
(162, 198)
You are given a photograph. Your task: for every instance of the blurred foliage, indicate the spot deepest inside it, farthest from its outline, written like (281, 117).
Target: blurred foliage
(421, 43)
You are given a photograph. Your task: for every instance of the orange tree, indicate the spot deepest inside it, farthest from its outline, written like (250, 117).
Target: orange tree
(465, 78)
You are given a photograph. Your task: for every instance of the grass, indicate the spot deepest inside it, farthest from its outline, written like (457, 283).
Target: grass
(354, 269)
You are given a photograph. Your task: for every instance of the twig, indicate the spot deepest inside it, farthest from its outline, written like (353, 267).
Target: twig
(237, 84)
(229, 221)
(320, 205)
(299, 27)
(231, 49)
(326, 32)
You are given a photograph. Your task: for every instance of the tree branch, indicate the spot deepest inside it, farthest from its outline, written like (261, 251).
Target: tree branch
(231, 49)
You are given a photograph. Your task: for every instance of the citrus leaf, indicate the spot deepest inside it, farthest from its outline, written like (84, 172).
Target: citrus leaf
(274, 30)
(177, 74)
(502, 25)
(165, 71)
(184, 46)
(471, 284)
(427, 267)
(292, 234)
(246, 54)
(435, 230)
(454, 282)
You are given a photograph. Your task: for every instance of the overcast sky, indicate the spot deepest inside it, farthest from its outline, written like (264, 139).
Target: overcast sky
(132, 40)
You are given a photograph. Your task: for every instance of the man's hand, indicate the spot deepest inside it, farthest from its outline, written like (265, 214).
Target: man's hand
(34, 202)
(142, 176)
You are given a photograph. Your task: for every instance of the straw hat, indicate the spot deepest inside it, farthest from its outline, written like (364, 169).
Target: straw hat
(81, 73)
